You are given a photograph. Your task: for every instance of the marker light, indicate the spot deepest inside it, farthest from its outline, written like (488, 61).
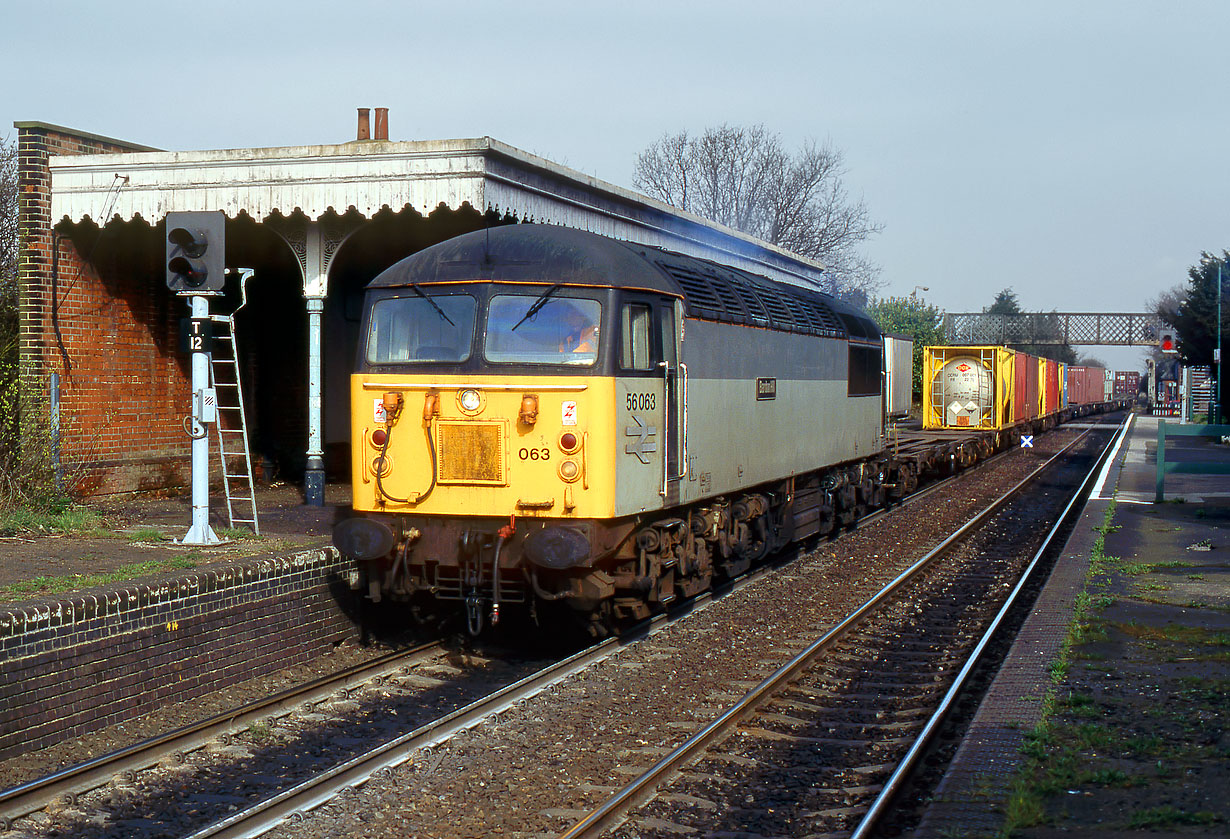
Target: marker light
(568, 442)
(470, 400)
(569, 470)
(379, 436)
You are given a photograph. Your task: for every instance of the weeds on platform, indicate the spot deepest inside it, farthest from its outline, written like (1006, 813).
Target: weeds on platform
(1075, 744)
(148, 534)
(72, 520)
(237, 534)
(1170, 817)
(1051, 756)
(76, 582)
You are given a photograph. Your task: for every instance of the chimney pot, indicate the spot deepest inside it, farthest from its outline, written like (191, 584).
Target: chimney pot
(382, 123)
(364, 124)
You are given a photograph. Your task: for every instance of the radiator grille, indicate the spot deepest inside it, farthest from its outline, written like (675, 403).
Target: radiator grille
(470, 452)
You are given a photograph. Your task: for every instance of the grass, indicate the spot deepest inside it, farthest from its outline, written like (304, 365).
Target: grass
(1175, 633)
(70, 521)
(75, 582)
(237, 534)
(1080, 705)
(260, 731)
(1071, 746)
(1167, 816)
(1052, 761)
(148, 534)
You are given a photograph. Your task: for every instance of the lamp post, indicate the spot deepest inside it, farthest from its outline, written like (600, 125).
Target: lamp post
(1217, 356)
(917, 288)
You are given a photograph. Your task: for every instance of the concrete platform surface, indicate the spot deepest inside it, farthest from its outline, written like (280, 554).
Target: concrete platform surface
(1181, 547)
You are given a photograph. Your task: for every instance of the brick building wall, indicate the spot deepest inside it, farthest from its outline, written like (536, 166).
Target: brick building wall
(94, 308)
(76, 666)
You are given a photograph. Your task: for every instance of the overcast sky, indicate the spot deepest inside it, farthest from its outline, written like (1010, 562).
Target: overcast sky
(1073, 151)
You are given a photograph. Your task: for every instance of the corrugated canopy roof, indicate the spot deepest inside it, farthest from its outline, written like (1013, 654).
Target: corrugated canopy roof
(368, 176)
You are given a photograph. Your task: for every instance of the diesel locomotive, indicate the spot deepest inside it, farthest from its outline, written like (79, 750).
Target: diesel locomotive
(542, 415)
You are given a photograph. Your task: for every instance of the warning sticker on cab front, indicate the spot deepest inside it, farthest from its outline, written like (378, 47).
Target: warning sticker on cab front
(378, 414)
(568, 413)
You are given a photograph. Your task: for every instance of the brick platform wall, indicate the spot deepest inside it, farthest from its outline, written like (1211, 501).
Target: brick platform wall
(79, 665)
(95, 309)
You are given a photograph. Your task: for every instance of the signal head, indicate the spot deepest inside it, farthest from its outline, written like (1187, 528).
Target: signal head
(196, 252)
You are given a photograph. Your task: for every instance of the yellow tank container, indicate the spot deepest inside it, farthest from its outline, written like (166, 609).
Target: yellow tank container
(968, 387)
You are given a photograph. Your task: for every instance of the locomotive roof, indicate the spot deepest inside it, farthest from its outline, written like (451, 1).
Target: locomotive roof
(550, 253)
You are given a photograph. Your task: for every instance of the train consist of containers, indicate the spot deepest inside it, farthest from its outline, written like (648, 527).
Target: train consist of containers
(1003, 390)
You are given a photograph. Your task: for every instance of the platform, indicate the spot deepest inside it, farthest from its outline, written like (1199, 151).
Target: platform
(971, 799)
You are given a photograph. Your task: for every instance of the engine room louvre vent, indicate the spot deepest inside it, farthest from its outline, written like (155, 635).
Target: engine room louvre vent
(711, 296)
(751, 301)
(470, 453)
(730, 295)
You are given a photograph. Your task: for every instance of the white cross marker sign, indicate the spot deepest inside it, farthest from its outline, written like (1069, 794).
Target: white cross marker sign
(1027, 441)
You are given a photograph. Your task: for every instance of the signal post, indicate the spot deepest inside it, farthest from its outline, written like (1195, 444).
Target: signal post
(196, 269)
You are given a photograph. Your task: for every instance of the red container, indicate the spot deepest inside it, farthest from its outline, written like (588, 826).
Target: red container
(1085, 385)
(1024, 387)
(1127, 382)
(1048, 385)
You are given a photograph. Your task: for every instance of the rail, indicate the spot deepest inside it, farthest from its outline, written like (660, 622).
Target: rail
(72, 781)
(907, 764)
(638, 791)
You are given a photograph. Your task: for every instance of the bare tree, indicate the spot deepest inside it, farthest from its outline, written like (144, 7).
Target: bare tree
(744, 178)
(8, 226)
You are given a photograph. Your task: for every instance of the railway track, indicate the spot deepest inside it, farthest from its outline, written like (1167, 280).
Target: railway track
(250, 813)
(68, 785)
(821, 746)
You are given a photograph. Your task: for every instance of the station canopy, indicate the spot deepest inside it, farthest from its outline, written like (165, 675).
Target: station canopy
(365, 177)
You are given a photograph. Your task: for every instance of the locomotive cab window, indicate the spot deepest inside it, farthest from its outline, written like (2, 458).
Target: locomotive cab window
(543, 329)
(407, 330)
(634, 331)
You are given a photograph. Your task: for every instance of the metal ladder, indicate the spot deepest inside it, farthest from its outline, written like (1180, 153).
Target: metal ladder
(232, 425)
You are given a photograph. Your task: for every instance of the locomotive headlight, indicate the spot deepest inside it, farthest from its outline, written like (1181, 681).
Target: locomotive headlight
(470, 401)
(569, 470)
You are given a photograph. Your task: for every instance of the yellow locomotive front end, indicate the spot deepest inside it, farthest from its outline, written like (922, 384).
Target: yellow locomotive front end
(483, 423)
(450, 445)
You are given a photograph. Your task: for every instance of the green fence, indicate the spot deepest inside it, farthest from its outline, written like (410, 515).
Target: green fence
(1165, 430)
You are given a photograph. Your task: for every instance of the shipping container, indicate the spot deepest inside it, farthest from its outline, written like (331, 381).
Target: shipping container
(1025, 387)
(1048, 386)
(978, 387)
(1085, 385)
(898, 374)
(1127, 384)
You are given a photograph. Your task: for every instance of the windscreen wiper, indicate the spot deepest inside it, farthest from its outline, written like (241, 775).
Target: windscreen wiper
(538, 304)
(439, 311)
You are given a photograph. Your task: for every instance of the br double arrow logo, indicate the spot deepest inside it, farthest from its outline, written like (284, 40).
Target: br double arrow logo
(643, 434)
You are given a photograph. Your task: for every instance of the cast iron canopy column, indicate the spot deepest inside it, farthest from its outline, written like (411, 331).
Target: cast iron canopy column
(314, 244)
